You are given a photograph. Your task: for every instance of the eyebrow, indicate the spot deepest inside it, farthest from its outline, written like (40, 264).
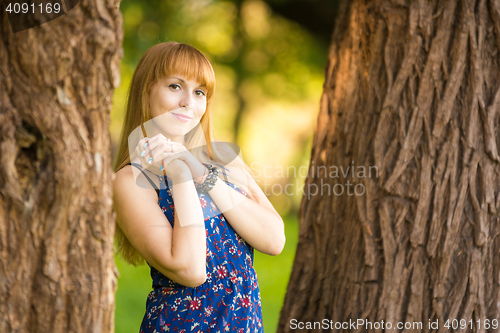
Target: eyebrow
(178, 78)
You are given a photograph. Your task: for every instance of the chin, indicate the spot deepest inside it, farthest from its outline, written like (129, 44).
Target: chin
(187, 127)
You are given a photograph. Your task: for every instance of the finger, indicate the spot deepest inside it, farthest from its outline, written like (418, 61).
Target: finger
(159, 149)
(169, 157)
(154, 148)
(164, 155)
(143, 146)
(163, 137)
(140, 145)
(155, 153)
(151, 154)
(142, 142)
(178, 147)
(152, 163)
(143, 149)
(162, 151)
(169, 147)
(147, 157)
(144, 161)
(147, 141)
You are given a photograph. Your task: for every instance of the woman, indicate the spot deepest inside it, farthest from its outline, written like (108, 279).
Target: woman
(200, 250)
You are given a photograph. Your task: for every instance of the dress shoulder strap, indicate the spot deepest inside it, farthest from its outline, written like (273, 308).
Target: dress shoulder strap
(138, 166)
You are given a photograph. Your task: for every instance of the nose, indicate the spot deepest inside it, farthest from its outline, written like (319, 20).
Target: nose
(186, 101)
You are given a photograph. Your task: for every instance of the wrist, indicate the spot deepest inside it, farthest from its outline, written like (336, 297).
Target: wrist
(197, 169)
(201, 178)
(209, 181)
(183, 176)
(179, 171)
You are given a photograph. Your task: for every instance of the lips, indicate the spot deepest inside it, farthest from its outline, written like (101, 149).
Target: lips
(182, 117)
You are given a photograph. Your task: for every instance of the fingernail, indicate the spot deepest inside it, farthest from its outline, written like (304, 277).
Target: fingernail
(150, 160)
(143, 152)
(161, 168)
(145, 145)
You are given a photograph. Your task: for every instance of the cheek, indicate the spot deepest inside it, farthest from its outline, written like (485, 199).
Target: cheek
(201, 111)
(155, 101)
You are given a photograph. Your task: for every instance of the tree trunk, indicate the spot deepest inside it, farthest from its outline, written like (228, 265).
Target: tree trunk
(412, 92)
(56, 223)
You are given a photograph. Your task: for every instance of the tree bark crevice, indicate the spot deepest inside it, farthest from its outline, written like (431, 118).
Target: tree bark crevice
(414, 91)
(56, 242)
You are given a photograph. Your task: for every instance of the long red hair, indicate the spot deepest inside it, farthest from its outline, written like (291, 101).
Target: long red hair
(160, 61)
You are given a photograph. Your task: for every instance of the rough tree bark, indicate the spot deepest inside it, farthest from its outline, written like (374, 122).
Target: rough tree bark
(56, 223)
(413, 89)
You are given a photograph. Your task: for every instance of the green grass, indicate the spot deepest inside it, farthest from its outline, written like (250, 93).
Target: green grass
(134, 286)
(273, 273)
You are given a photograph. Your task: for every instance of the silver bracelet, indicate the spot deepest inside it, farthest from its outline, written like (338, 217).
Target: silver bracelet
(209, 183)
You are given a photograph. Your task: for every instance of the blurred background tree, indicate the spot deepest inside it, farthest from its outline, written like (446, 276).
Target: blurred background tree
(269, 59)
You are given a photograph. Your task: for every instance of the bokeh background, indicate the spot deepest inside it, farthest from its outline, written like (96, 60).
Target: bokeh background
(269, 68)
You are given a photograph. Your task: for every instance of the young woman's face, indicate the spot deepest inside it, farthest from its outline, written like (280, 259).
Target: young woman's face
(177, 104)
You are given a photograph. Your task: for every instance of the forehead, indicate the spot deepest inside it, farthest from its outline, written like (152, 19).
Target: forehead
(183, 79)
(187, 65)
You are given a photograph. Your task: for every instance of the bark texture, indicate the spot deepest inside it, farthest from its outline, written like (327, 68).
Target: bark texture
(413, 89)
(56, 224)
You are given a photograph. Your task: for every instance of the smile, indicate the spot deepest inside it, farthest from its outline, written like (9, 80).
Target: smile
(182, 117)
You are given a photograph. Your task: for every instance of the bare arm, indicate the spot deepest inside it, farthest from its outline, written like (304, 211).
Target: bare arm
(257, 223)
(178, 253)
(189, 237)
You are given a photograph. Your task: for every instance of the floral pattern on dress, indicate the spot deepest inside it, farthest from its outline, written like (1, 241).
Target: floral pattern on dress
(228, 301)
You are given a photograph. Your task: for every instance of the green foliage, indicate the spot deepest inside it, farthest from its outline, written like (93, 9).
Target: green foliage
(258, 45)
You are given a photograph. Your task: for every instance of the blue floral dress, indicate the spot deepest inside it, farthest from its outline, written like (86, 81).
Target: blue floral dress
(228, 301)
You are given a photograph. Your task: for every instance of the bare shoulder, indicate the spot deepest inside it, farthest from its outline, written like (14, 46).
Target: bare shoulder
(238, 170)
(228, 150)
(125, 182)
(137, 210)
(123, 178)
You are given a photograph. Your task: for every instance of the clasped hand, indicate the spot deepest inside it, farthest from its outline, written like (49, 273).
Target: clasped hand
(159, 153)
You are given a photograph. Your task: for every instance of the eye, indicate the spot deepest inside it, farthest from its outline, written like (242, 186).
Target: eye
(200, 91)
(173, 85)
